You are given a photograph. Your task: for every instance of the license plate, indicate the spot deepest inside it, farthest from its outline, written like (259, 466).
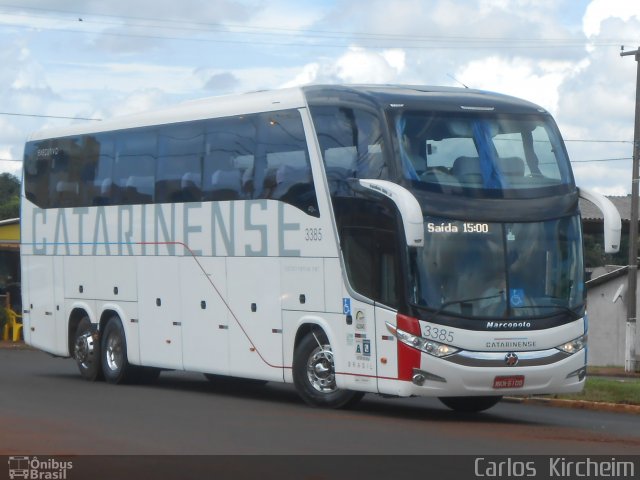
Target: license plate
(513, 381)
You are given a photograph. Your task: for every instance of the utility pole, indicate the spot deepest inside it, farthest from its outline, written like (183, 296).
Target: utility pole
(630, 359)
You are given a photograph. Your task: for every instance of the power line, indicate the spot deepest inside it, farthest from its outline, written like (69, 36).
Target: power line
(602, 160)
(99, 120)
(14, 114)
(436, 43)
(207, 26)
(599, 141)
(572, 161)
(417, 41)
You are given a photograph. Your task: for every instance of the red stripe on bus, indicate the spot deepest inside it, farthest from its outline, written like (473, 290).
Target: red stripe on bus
(408, 357)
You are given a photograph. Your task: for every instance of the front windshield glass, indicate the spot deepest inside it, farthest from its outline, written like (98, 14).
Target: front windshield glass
(485, 152)
(496, 270)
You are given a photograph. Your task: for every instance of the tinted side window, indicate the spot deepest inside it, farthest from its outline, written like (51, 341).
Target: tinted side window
(371, 259)
(101, 174)
(37, 167)
(134, 167)
(352, 144)
(259, 156)
(180, 157)
(56, 170)
(244, 157)
(283, 161)
(228, 158)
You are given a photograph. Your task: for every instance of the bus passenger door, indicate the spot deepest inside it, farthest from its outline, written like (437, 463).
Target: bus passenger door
(373, 270)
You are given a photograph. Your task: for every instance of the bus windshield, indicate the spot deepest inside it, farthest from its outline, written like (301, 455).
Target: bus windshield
(499, 270)
(490, 153)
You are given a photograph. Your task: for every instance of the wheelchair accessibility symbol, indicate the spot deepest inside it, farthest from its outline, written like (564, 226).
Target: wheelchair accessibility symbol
(346, 306)
(517, 297)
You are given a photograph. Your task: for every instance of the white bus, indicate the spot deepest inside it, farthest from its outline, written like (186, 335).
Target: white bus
(346, 239)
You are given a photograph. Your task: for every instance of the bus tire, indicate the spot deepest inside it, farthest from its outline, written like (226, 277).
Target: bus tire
(115, 365)
(470, 404)
(314, 374)
(86, 351)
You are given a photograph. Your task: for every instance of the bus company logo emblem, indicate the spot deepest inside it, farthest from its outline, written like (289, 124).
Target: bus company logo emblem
(511, 359)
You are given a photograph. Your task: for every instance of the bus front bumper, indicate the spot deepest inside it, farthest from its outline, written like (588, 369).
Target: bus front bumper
(464, 376)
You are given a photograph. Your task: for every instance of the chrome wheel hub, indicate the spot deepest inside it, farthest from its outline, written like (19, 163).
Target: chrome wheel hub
(114, 354)
(321, 370)
(84, 349)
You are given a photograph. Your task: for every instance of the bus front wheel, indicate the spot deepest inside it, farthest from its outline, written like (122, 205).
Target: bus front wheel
(314, 374)
(470, 404)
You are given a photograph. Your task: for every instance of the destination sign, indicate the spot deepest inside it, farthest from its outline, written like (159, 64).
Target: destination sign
(458, 227)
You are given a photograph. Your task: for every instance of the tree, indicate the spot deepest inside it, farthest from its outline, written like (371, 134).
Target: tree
(593, 250)
(594, 255)
(9, 196)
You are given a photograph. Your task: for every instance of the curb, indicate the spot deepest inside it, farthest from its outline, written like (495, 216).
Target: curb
(581, 404)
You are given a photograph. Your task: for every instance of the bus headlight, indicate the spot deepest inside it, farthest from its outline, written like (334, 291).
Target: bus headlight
(574, 346)
(425, 345)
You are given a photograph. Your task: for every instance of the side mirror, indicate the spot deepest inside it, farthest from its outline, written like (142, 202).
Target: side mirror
(612, 221)
(408, 206)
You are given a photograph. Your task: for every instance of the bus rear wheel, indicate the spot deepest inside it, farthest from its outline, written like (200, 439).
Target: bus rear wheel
(314, 374)
(86, 351)
(115, 366)
(470, 404)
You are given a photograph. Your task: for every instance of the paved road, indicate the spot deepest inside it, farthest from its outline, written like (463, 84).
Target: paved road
(46, 408)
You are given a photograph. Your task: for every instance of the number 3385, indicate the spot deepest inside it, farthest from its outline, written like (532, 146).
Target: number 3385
(439, 334)
(313, 234)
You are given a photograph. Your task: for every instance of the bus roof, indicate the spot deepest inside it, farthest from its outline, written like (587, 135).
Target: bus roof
(200, 109)
(427, 97)
(381, 96)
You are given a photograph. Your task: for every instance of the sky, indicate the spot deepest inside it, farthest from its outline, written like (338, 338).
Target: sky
(96, 59)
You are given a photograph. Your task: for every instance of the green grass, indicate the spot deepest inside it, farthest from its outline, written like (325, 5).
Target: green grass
(598, 389)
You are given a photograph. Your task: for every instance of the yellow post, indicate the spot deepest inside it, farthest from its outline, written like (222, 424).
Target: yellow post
(5, 328)
(11, 322)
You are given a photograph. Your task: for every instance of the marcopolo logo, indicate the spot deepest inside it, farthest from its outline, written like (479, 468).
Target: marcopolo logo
(492, 325)
(38, 469)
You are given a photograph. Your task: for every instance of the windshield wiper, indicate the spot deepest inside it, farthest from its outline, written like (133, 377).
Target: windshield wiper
(500, 293)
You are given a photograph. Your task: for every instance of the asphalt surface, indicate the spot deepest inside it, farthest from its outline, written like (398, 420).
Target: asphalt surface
(46, 408)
